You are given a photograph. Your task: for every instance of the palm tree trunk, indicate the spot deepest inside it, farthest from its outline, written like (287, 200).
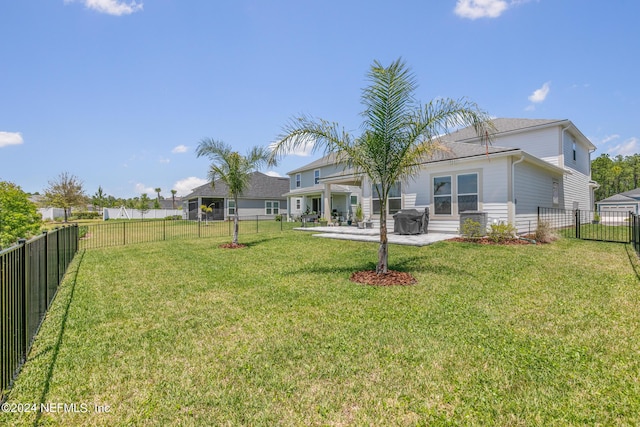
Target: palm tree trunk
(383, 252)
(235, 223)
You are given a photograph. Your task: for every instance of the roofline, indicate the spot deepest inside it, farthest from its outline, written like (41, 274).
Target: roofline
(563, 123)
(508, 153)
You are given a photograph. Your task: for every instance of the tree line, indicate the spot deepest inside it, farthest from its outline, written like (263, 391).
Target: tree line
(615, 174)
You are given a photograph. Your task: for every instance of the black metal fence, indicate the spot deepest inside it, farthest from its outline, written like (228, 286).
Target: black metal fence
(635, 232)
(125, 232)
(589, 225)
(30, 274)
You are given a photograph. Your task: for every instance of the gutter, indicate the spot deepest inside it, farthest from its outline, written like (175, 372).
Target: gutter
(513, 185)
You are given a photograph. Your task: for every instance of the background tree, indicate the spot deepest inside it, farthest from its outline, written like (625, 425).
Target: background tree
(19, 217)
(143, 204)
(99, 199)
(615, 175)
(173, 197)
(231, 168)
(65, 192)
(397, 133)
(156, 204)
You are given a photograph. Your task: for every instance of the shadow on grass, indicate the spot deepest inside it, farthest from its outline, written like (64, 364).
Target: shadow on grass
(413, 264)
(633, 260)
(58, 343)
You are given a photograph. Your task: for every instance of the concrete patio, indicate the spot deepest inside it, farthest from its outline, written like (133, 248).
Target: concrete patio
(373, 235)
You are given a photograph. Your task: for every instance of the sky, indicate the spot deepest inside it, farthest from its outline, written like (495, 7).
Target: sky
(119, 93)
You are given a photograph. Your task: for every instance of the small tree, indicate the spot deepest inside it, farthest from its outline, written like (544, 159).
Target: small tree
(65, 192)
(99, 200)
(143, 204)
(232, 168)
(19, 217)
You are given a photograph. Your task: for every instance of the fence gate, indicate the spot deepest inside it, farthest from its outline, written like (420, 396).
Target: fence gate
(590, 225)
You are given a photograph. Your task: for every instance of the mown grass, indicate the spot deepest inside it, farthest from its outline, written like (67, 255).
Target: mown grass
(186, 333)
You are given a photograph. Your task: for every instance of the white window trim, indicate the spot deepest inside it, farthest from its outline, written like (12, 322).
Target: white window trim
(275, 205)
(450, 195)
(316, 179)
(454, 191)
(374, 196)
(298, 180)
(477, 193)
(229, 207)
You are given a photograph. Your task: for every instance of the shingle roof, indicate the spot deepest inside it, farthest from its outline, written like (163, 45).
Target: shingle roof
(503, 125)
(260, 186)
(460, 150)
(329, 159)
(618, 198)
(634, 194)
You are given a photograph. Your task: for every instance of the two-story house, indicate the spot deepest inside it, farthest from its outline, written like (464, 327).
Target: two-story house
(529, 164)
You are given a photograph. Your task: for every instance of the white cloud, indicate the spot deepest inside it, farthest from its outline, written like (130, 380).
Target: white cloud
(539, 95)
(186, 186)
(304, 150)
(627, 148)
(609, 138)
(10, 138)
(140, 188)
(180, 149)
(474, 9)
(273, 173)
(164, 160)
(111, 7)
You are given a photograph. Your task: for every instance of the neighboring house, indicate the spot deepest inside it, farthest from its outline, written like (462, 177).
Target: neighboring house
(530, 164)
(629, 201)
(263, 196)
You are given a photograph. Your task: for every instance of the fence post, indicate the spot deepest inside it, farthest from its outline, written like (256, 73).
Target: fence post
(24, 316)
(577, 214)
(256, 224)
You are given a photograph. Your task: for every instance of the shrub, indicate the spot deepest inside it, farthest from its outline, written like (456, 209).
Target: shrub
(544, 233)
(174, 217)
(82, 231)
(85, 215)
(278, 217)
(502, 232)
(472, 229)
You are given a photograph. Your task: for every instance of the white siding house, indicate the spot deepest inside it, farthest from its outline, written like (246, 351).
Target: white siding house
(530, 164)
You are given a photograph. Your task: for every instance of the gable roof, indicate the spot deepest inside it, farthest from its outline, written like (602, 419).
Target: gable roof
(261, 186)
(618, 198)
(505, 125)
(327, 160)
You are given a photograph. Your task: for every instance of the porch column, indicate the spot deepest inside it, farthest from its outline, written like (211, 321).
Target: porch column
(327, 203)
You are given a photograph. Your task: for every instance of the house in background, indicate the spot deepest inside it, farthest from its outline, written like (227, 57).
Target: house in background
(262, 197)
(530, 164)
(629, 201)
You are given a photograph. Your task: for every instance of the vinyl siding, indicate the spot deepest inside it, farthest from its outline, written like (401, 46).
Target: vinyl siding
(542, 143)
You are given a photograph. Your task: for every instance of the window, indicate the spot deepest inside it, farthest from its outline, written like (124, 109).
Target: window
(442, 195)
(298, 181)
(316, 176)
(574, 150)
(555, 192)
(231, 207)
(394, 200)
(468, 192)
(272, 208)
(298, 204)
(354, 200)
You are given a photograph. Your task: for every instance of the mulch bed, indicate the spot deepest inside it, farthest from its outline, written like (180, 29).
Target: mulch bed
(391, 278)
(487, 241)
(233, 246)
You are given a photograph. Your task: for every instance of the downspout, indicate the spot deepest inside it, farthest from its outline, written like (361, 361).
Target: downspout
(513, 187)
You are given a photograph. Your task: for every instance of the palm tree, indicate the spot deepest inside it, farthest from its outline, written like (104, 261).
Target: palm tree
(158, 190)
(231, 168)
(397, 134)
(173, 197)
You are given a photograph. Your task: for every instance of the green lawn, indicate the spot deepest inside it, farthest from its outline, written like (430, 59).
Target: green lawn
(185, 333)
